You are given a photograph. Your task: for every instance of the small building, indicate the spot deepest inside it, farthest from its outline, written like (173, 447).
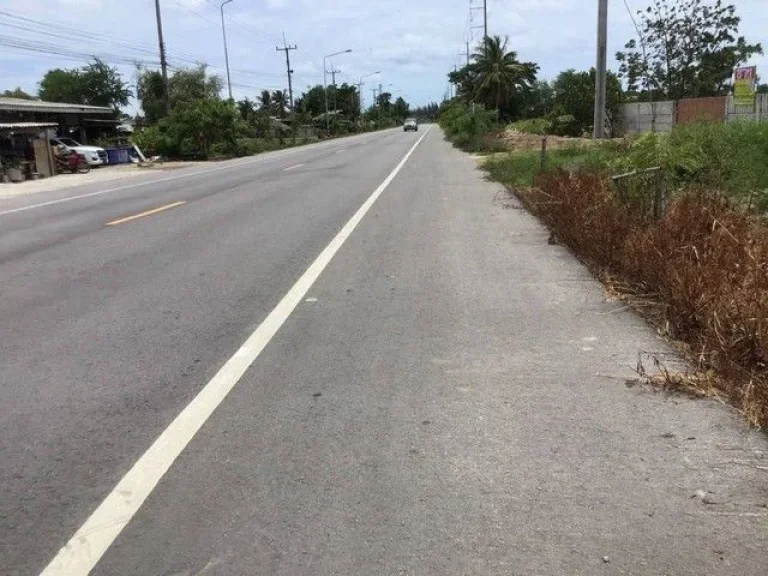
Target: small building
(78, 121)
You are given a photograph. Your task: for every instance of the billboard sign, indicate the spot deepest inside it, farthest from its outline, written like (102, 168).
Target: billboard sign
(744, 85)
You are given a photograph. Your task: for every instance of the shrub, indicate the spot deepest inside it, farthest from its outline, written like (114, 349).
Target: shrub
(466, 128)
(566, 125)
(540, 126)
(732, 158)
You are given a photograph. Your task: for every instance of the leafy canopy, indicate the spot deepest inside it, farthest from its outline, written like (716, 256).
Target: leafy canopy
(184, 86)
(495, 77)
(686, 49)
(96, 84)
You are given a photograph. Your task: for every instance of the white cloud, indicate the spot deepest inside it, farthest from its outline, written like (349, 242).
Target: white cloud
(413, 43)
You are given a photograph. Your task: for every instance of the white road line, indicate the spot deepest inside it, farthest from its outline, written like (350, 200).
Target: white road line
(293, 167)
(80, 555)
(254, 160)
(340, 151)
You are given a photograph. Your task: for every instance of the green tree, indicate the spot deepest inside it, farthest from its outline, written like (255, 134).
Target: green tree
(17, 93)
(401, 109)
(280, 103)
(500, 75)
(96, 84)
(247, 109)
(426, 113)
(538, 101)
(495, 78)
(312, 101)
(686, 48)
(184, 85)
(574, 96)
(265, 101)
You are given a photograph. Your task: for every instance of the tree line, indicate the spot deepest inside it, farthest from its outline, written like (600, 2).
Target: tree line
(683, 49)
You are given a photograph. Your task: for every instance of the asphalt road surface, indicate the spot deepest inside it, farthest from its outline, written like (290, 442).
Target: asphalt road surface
(353, 358)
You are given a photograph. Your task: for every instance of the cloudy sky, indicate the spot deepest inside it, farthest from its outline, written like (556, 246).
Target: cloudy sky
(412, 42)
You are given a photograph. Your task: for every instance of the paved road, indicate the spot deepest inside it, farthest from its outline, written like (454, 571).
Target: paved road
(448, 397)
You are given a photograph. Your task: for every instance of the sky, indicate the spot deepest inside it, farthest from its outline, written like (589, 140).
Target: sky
(412, 43)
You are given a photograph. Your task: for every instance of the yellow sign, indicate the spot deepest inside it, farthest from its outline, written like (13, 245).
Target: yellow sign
(744, 83)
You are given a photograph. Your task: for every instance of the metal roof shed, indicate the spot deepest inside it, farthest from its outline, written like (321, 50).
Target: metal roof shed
(40, 106)
(72, 119)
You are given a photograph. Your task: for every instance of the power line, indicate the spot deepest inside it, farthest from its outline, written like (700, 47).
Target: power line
(63, 32)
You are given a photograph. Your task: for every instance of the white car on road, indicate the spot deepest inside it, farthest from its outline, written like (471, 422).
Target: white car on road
(94, 155)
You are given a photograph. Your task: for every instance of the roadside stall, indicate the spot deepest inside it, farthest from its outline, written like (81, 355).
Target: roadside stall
(24, 150)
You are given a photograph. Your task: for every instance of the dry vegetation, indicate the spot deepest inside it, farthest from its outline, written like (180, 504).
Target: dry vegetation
(704, 266)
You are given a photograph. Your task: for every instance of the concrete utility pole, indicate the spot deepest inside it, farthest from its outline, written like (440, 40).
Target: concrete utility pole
(467, 53)
(333, 73)
(360, 95)
(485, 18)
(601, 68)
(226, 50)
(163, 60)
(287, 49)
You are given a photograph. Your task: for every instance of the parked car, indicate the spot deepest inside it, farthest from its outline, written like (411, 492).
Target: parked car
(94, 155)
(411, 124)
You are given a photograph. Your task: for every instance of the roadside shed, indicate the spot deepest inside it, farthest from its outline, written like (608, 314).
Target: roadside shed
(79, 121)
(24, 149)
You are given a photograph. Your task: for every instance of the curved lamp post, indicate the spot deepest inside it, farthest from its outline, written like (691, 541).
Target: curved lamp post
(325, 84)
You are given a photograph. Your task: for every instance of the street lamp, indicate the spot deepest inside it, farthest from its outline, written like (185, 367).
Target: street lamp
(360, 87)
(226, 52)
(325, 84)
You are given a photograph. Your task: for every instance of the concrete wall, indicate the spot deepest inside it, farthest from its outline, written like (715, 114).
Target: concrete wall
(756, 113)
(638, 117)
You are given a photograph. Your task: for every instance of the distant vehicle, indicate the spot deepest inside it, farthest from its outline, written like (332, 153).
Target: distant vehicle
(94, 155)
(411, 124)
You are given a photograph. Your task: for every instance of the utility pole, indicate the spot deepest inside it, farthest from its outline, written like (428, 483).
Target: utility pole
(163, 60)
(467, 53)
(226, 50)
(376, 104)
(485, 18)
(287, 49)
(602, 66)
(333, 73)
(360, 95)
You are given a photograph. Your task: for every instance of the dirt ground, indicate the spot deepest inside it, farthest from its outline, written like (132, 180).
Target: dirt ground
(520, 141)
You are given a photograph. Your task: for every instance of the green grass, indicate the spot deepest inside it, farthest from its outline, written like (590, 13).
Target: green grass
(520, 168)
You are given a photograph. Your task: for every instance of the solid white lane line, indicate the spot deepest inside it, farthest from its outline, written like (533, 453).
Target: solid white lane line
(293, 167)
(254, 160)
(340, 151)
(79, 556)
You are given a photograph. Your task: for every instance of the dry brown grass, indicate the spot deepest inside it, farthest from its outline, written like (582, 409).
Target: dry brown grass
(701, 273)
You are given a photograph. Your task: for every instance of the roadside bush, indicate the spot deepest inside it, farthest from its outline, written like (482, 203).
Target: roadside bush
(540, 126)
(468, 129)
(566, 125)
(153, 141)
(732, 158)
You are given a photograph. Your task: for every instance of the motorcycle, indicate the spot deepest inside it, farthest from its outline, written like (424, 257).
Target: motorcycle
(72, 162)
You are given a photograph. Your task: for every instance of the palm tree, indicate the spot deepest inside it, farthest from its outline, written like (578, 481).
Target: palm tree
(280, 102)
(498, 73)
(266, 101)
